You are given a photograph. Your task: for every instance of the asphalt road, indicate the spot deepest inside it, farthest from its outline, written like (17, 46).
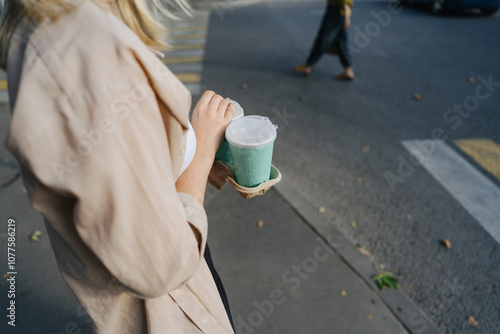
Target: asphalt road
(337, 141)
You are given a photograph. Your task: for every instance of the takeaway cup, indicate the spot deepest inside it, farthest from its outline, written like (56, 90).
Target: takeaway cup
(223, 153)
(251, 142)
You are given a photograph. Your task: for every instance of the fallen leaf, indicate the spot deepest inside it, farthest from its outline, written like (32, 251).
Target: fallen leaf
(472, 322)
(386, 279)
(418, 97)
(438, 265)
(446, 243)
(343, 293)
(370, 316)
(360, 179)
(365, 148)
(322, 209)
(260, 223)
(363, 250)
(6, 275)
(408, 216)
(472, 80)
(353, 224)
(35, 236)
(244, 85)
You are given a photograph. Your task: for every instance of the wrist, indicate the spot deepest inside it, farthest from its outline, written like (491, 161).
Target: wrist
(205, 154)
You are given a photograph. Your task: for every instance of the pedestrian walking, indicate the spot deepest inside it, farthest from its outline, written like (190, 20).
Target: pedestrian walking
(109, 157)
(332, 35)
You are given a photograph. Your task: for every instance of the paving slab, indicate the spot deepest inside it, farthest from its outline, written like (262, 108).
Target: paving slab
(283, 277)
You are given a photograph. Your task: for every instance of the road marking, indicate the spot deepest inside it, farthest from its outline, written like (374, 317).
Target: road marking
(475, 192)
(484, 151)
(197, 36)
(4, 94)
(184, 53)
(188, 29)
(187, 68)
(177, 47)
(192, 22)
(189, 77)
(194, 88)
(188, 42)
(187, 38)
(182, 60)
(173, 42)
(184, 24)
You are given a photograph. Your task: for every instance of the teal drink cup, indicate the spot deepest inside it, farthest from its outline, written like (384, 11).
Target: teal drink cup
(223, 153)
(251, 142)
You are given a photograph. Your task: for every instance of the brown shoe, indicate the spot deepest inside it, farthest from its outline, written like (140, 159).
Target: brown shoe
(345, 77)
(304, 69)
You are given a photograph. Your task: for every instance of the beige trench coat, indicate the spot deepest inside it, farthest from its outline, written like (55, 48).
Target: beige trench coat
(99, 127)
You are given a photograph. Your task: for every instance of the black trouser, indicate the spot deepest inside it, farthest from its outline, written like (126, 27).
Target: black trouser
(218, 282)
(331, 32)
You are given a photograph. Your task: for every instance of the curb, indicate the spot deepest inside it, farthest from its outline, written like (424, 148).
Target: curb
(400, 305)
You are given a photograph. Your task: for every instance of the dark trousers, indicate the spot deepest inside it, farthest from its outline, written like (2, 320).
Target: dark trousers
(218, 282)
(331, 32)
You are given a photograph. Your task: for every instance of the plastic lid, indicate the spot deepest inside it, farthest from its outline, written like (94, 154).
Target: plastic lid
(238, 110)
(251, 132)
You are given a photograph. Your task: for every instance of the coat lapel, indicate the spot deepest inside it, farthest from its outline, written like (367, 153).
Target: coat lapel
(170, 91)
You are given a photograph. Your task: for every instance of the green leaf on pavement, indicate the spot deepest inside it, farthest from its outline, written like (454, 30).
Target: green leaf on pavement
(35, 236)
(386, 279)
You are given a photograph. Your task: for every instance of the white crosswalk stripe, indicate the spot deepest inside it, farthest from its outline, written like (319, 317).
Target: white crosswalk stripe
(475, 192)
(187, 38)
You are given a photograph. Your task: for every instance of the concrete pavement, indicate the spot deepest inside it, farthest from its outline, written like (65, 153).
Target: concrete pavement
(295, 273)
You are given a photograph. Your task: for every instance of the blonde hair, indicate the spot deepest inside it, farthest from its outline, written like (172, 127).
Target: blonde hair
(137, 14)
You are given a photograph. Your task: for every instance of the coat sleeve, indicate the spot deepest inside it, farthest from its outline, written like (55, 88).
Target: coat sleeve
(105, 145)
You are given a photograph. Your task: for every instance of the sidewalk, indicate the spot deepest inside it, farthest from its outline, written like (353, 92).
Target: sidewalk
(296, 273)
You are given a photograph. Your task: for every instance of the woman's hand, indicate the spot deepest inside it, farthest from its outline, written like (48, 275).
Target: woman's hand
(211, 116)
